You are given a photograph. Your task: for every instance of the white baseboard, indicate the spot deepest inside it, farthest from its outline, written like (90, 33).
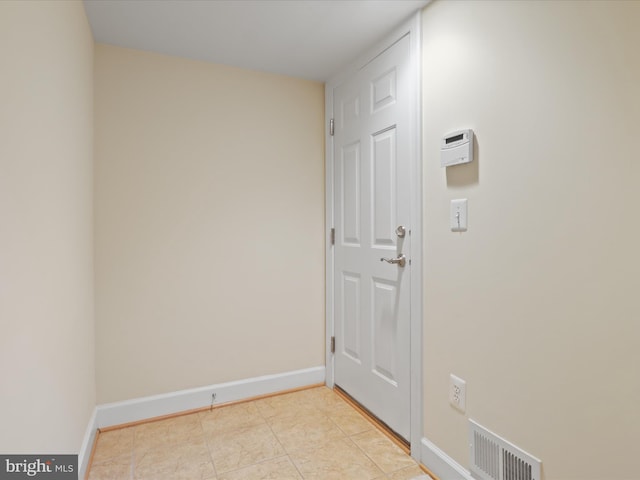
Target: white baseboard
(87, 445)
(441, 464)
(119, 413)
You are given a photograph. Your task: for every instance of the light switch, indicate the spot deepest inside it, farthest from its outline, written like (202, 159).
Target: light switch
(458, 219)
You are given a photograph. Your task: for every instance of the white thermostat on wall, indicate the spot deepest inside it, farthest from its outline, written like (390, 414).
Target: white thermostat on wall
(456, 148)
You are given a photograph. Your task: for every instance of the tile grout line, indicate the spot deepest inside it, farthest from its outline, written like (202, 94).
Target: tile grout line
(374, 428)
(347, 436)
(376, 463)
(367, 455)
(206, 442)
(255, 403)
(133, 453)
(328, 417)
(373, 420)
(264, 460)
(279, 442)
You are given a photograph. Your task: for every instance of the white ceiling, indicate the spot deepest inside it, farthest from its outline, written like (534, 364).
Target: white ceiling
(310, 39)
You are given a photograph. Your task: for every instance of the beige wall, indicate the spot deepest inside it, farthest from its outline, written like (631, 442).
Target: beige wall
(47, 391)
(209, 223)
(536, 306)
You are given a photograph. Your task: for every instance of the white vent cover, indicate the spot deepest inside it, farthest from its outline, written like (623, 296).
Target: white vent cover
(493, 458)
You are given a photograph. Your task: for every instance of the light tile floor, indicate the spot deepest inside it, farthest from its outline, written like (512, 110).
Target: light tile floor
(309, 434)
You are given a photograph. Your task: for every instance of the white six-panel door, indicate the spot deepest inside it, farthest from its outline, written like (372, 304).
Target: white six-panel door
(372, 198)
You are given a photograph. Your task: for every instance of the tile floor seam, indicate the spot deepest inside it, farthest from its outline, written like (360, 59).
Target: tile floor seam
(133, 453)
(266, 420)
(337, 426)
(295, 466)
(318, 446)
(206, 441)
(263, 424)
(390, 472)
(386, 474)
(288, 454)
(377, 464)
(261, 462)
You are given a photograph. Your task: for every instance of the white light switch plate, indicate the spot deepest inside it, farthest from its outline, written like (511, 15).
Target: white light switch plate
(458, 217)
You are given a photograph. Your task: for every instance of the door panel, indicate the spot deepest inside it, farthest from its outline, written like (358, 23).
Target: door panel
(351, 314)
(372, 198)
(384, 90)
(350, 190)
(384, 354)
(385, 184)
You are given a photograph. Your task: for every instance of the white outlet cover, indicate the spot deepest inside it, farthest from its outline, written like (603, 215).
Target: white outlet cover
(458, 393)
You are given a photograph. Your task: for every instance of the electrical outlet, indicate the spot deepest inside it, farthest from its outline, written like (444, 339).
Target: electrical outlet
(458, 393)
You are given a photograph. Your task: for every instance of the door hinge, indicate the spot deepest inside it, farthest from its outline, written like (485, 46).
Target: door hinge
(333, 236)
(333, 344)
(331, 127)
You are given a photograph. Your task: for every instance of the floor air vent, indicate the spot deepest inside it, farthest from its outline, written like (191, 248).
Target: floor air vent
(493, 458)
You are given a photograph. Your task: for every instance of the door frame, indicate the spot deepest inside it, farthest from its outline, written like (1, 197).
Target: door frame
(412, 28)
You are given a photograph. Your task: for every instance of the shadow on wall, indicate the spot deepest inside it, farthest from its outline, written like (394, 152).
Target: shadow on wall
(466, 174)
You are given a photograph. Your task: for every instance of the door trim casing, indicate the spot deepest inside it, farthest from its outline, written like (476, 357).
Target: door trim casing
(412, 28)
